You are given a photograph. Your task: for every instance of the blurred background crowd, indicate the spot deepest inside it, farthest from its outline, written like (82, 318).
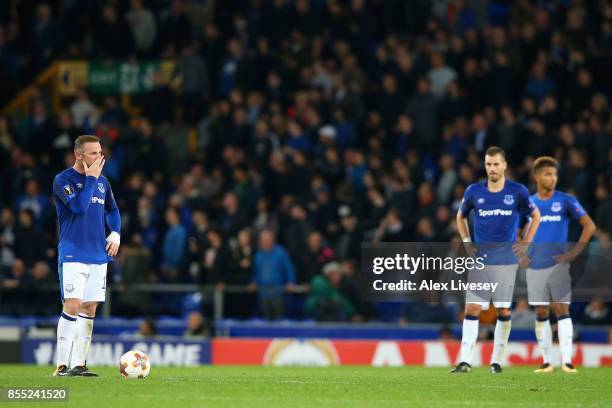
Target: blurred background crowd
(291, 132)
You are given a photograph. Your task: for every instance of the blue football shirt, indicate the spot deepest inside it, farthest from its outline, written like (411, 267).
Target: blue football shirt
(496, 218)
(82, 203)
(551, 237)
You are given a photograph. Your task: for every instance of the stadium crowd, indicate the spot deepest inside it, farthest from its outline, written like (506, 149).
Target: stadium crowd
(318, 125)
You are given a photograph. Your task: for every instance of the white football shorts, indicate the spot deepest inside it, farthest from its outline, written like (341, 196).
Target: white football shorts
(503, 275)
(549, 284)
(83, 281)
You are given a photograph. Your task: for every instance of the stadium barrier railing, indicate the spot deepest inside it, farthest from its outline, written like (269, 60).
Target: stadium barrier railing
(212, 292)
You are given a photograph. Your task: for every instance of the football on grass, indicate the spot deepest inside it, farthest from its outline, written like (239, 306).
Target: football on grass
(134, 364)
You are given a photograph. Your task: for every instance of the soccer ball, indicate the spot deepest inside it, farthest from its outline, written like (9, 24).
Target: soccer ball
(134, 364)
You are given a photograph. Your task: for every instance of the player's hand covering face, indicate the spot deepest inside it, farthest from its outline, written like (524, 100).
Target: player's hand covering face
(91, 152)
(96, 168)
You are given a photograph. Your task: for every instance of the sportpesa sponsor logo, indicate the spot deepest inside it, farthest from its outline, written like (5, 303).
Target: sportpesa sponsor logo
(97, 200)
(550, 218)
(495, 212)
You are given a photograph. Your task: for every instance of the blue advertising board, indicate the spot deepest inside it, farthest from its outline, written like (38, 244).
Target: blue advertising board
(107, 350)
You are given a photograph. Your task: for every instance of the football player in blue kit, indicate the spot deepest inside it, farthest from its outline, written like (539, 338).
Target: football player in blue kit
(498, 205)
(86, 209)
(548, 269)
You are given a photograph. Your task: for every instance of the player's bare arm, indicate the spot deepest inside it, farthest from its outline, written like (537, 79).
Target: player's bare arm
(464, 232)
(520, 247)
(533, 226)
(588, 230)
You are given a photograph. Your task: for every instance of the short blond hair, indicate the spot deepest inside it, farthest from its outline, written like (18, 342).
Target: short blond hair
(543, 161)
(80, 141)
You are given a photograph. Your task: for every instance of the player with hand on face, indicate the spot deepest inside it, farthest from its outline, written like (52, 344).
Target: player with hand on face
(85, 207)
(548, 265)
(497, 205)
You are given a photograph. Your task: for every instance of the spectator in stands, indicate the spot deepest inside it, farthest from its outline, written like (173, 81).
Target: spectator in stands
(43, 290)
(425, 231)
(264, 217)
(233, 218)
(47, 36)
(29, 242)
(323, 210)
(317, 255)
(17, 276)
(194, 87)
(423, 107)
(176, 30)
(14, 287)
(348, 241)
(378, 208)
(482, 136)
(62, 141)
(391, 228)
(196, 326)
(350, 287)
(158, 105)
(198, 240)
(143, 26)
(135, 263)
(35, 201)
(36, 129)
(147, 328)
(242, 258)
(232, 69)
(273, 274)
(296, 232)
(217, 260)
(112, 35)
(447, 178)
(239, 304)
(603, 214)
(597, 313)
(174, 247)
(391, 101)
(539, 85)
(84, 112)
(440, 75)
(325, 301)
(7, 238)
(113, 114)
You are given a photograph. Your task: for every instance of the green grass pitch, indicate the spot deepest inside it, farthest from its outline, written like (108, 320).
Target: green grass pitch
(213, 386)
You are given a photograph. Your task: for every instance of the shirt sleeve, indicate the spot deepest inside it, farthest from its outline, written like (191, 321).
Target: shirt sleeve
(113, 218)
(109, 199)
(77, 202)
(574, 208)
(467, 203)
(525, 202)
(63, 190)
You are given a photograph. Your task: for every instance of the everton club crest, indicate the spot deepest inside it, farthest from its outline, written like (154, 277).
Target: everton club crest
(508, 199)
